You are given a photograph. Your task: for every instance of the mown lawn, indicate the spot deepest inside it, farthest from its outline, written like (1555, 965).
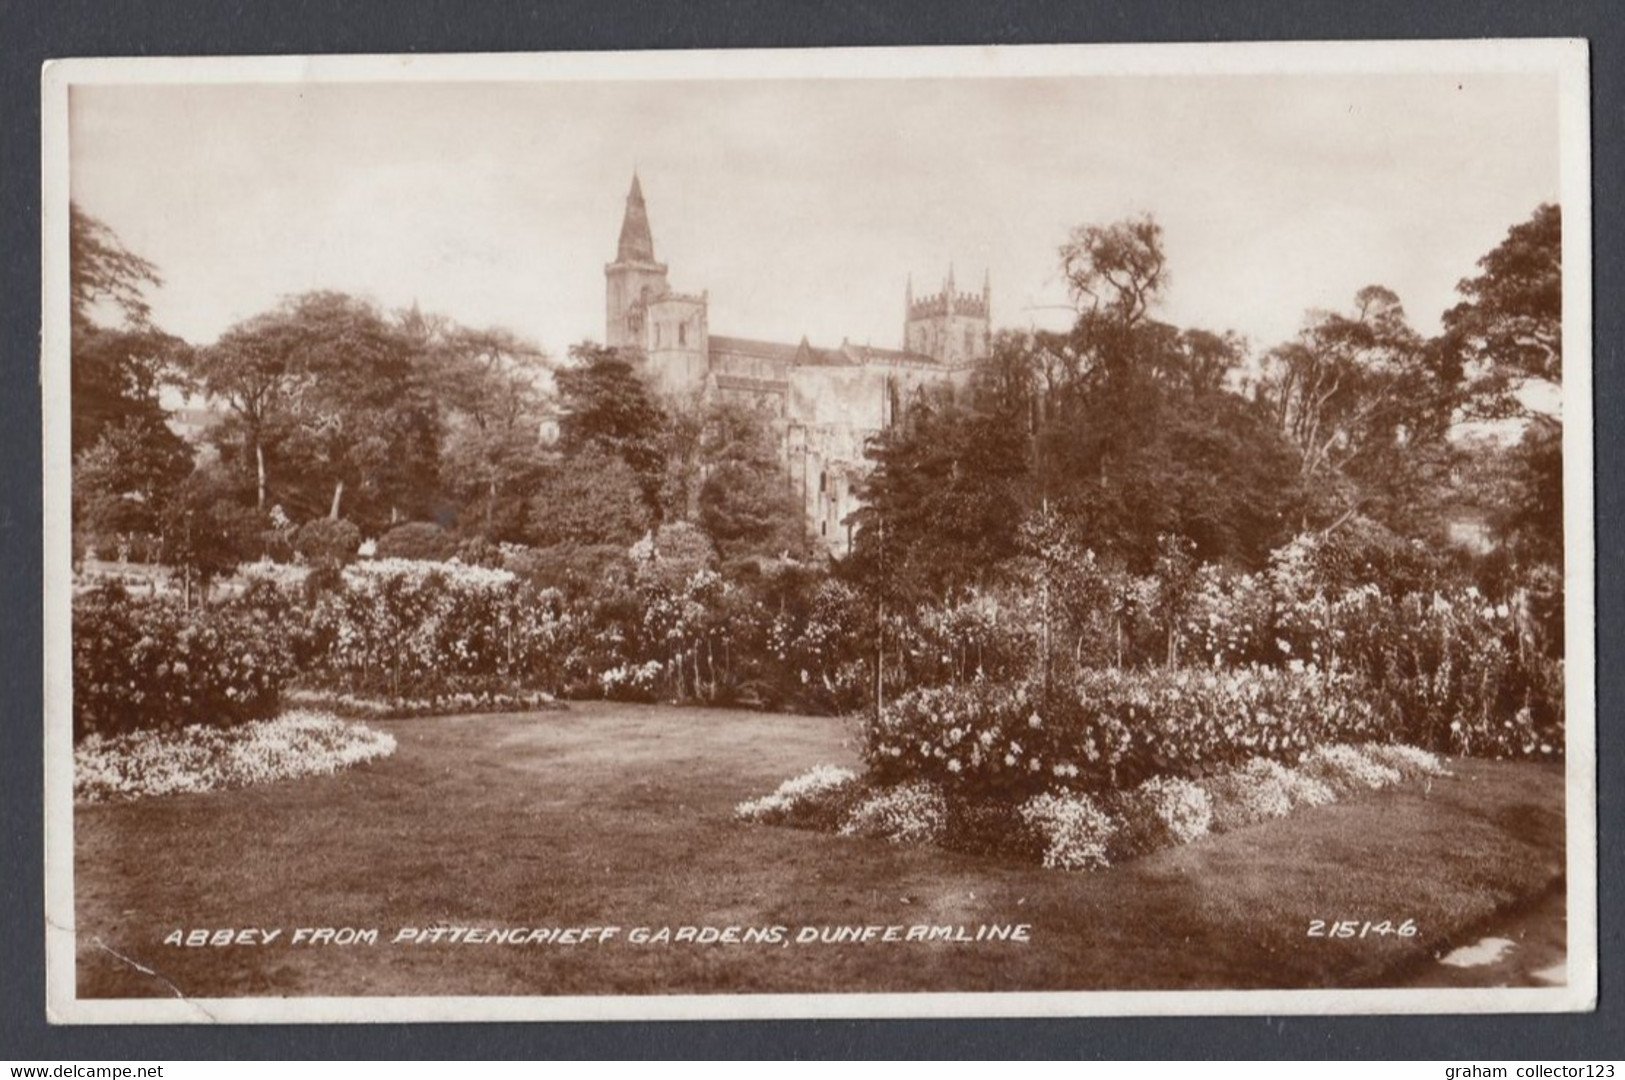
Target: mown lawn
(613, 815)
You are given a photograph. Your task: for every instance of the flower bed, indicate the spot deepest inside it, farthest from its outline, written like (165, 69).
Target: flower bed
(369, 707)
(815, 799)
(1065, 829)
(1111, 729)
(201, 758)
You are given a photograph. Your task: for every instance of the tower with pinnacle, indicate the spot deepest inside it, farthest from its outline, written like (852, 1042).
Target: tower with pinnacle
(951, 327)
(666, 331)
(634, 279)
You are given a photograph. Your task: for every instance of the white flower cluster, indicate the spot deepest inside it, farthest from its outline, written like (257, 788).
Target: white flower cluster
(1411, 761)
(396, 708)
(1247, 796)
(810, 786)
(200, 758)
(1299, 790)
(1178, 805)
(459, 575)
(286, 577)
(642, 677)
(1075, 831)
(1345, 769)
(911, 813)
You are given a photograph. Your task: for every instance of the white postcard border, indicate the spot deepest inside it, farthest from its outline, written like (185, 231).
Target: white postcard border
(1567, 59)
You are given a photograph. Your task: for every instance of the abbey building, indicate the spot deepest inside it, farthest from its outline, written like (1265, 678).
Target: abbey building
(824, 403)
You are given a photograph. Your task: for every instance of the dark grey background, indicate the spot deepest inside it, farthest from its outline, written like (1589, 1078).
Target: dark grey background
(32, 32)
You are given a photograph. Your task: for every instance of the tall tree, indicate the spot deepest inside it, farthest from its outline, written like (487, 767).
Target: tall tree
(1510, 320)
(1368, 406)
(745, 502)
(590, 499)
(605, 404)
(493, 390)
(126, 455)
(944, 499)
(1507, 333)
(326, 382)
(104, 274)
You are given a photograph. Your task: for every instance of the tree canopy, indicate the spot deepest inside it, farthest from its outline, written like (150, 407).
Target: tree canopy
(125, 454)
(1510, 319)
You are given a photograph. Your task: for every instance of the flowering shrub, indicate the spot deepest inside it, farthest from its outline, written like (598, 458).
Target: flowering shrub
(409, 629)
(1346, 770)
(1074, 831)
(909, 813)
(819, 649)
(1164, 811)
(153, 664)
(1445, 666)
(1302, 790)
(1409, 761)
(1110, 728)
(202, 758)
(1249, 795)
(815, 799)
(632, 682)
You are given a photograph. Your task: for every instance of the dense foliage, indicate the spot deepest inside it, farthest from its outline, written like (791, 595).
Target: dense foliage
(1111, 728)
(151, 664)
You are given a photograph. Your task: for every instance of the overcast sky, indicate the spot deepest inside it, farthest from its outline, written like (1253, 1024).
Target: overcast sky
(803, 206)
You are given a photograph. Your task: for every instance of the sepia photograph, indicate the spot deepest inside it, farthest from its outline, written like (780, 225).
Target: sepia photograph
(1027, 531)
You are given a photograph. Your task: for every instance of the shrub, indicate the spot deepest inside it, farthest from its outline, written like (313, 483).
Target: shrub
(632, 682)
(1447, 669)
(910, 813)
(817, 799)
(1074, 832)
(818, 639)
(1110, 729)
(1409, 761)
(1346, 770)
(284, 579)
(152, 664)
(417, 540)
(423, 630)
(1300, 789)
(1162, 812)
(1248, 796)
(327, 541)
(1261, 790)
(354, 706)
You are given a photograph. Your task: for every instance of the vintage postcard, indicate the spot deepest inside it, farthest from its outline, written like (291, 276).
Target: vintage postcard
(989, 532)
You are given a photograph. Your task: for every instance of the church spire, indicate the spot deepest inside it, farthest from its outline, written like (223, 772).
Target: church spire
(637, 244)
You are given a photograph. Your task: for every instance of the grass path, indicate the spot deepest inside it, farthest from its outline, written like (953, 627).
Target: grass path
(614, 815)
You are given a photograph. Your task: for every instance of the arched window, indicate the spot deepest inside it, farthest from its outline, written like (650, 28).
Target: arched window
(682, 333)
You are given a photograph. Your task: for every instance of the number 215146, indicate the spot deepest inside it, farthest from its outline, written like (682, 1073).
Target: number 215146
(1356, 928)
